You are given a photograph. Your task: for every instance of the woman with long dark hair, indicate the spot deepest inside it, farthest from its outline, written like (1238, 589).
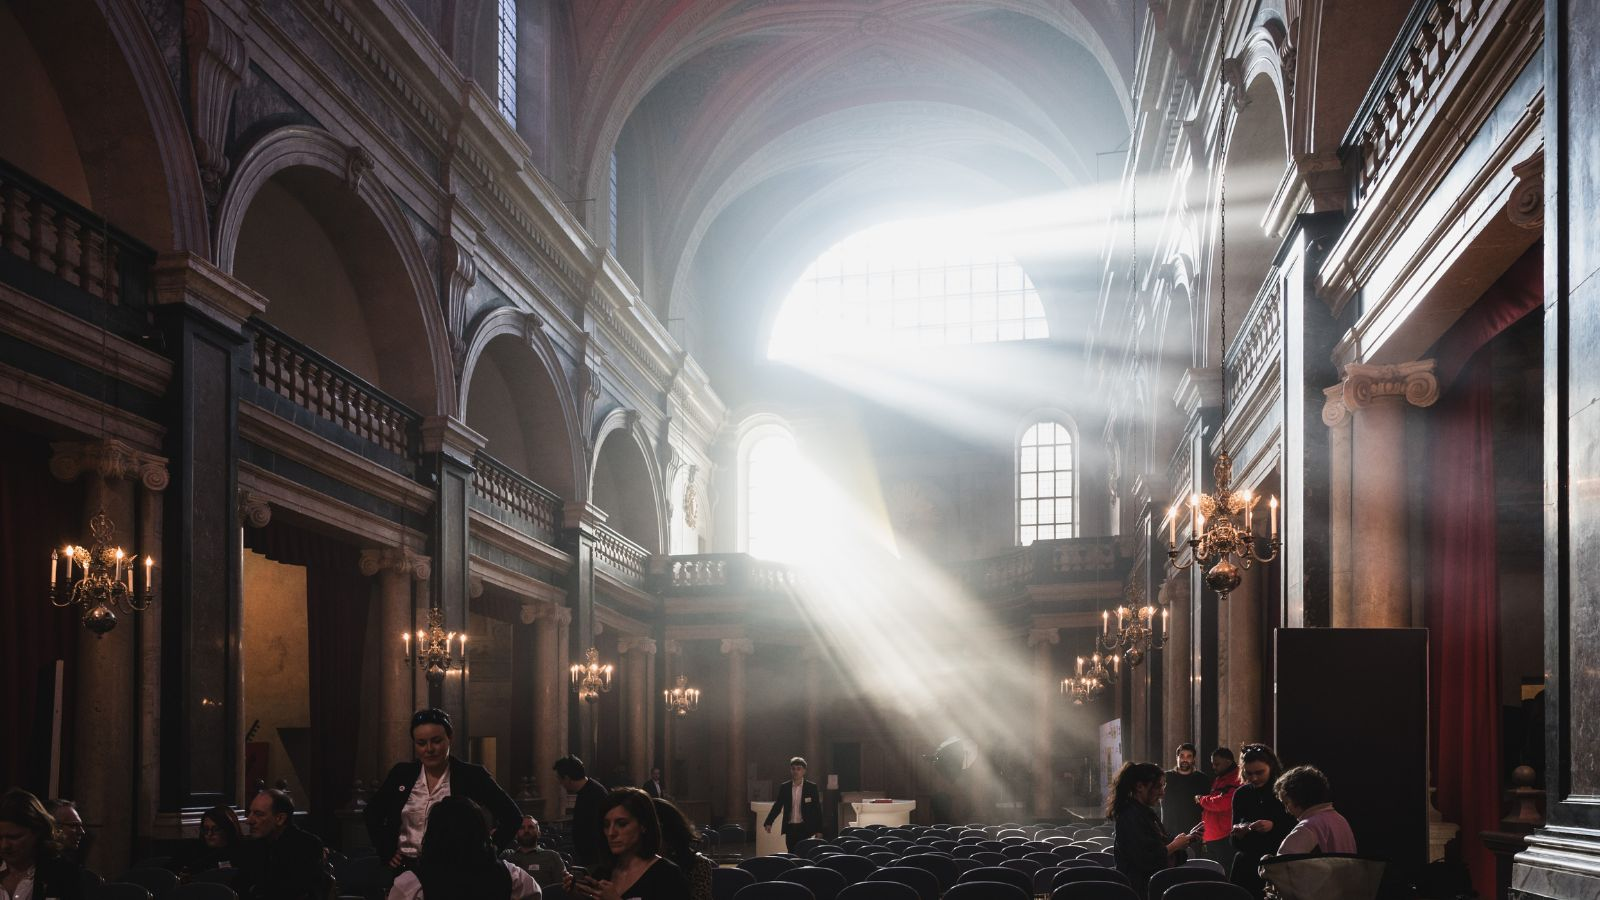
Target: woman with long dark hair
(1260, 822)
(213, 848)
(30, 852)
(678, 843)
(1143, 846)
(459, 862)
(630, 862)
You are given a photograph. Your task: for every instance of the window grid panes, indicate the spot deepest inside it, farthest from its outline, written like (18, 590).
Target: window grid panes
(769, 472)
(879, 287)
(1046, 507)
(506, 59)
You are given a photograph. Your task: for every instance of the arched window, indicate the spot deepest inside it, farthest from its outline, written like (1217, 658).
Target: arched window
(1047, 503)
(767, 508)
(506, 59)
(924, 283)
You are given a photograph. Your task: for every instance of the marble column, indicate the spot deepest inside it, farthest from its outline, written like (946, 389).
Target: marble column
(549, 687)
(811, 661)
(563, 666)
(151, 503)
(1241, 660)
(1045, 690)
(1337, 417)
(638, 657)
(397, 569)
(1177, 665)
(738, 808)
(1378, 534)
(106, 766)
(452, 448)
(669, 723)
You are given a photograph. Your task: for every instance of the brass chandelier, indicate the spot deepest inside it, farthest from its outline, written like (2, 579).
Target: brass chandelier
(99, 579)
(590, 679)
(1137, 633)
(682, 699)
(434, 646)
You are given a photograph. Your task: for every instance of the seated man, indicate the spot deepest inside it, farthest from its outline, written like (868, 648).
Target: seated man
(74, 838)
(281, 861)
(542, 863)
(1305, 794)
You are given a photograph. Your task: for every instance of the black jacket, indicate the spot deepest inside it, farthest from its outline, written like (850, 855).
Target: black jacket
(1141, 845)
(59, 877)
(810, 806)
(587, 837)
(466, 780)
(291, 866)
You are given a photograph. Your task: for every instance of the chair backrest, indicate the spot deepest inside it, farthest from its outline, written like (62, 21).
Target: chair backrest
(1299, 876)
(925, 882)
(804, 848)
(159, 882)
(1010, 833)
(987, 890)
(732, 834)
(1044, 880)
(1075, 862)
(153, 862)
(942, 867)
(1043, 859)
(854, 868)
(726, 881)
(824, 883)
(1029, 866)
(883, 857)
(1094, 890)
(765, 868)
(1206, 890)
(204, 890)
(1165, 878)
(774, 890)
(121, 890)
(1002, 875)
(879, 890)
(988, 858)
(215, 876)
(1200, 862)
(1104, 858)
(1089, 873)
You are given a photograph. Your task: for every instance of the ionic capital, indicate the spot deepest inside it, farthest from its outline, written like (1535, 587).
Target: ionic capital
(1414, 382)
(254, 509)
(731, 646)
(1334, 413)
(112, 460)
(672, 647)
(1043, 636)
(645, 645)
(398, 560)
(563, 616)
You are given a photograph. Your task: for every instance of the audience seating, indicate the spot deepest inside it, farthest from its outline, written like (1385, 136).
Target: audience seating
(215, 876)
(1003, 876)
(120, 890)
(1015, 851)
(732, 834)
(774, 890)
(1094, 890)
(824, 883)
(879, 890)
(966, 865)
(965, 851)
(202, 890)
(1025, 866)
(1089, 873)
(989, 858)
(1064, 851)
(942, 867)
(853, 868)
(1043, 859)
(1160, 881)
(153, 862)
(986, 890)
(1104, 858)
(1076, 862)
(1200, 862)
(1044, 880)
(1206, 890)
(726, 881)
(364, 875)
(925, 882)
(159, 882)
(805, 847)
(764, 868)
(883, 857)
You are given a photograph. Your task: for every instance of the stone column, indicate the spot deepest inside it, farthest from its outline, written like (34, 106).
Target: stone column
(580, 529)
(1378, 534)
(669, 724)
(1045, 690)
(738, 809)
(106, 767)
(452, 449)
(1241, 659)
(151, 502)
(811, 660)
(1176, 725)
(1337, 417)
(397, 568)
(563, 667)
(549, 689)
(638, 656)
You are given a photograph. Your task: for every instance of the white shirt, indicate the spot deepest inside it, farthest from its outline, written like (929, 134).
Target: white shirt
(409, 887)
(24, 887)
(414, 815)
(796, 796)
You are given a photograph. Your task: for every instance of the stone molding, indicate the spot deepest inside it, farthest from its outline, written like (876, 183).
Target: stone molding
(451, 436)
(398, 560)
(1043, 636)
(563, 616)
(582, 514)
(626, 645)
(1525, 208)
(672, 647)
(184, 279)
(217, 63)
(1415, 382)
(112, 459)
(731, 646)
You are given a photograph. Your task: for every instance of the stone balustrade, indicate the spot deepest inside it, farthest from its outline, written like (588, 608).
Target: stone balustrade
(515, 500)
(620, 557)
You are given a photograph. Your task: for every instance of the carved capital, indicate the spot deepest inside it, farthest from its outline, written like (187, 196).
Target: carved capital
(1233, 81)
(645, 645)
(461, 273)
(731, 646)
(1043, 636)
(112, 460)
(672, 647)
(1324, 177)
(399, 560)
(1525, 208)
(254, 510)
(216, 66)
(1414, 382)
(563, 616)
(474, 585)
(1334, 412)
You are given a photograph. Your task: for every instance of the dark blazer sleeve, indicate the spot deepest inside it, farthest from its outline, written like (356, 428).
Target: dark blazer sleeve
(382, 812)
(479, 787)
(780, 804)
(811, 815)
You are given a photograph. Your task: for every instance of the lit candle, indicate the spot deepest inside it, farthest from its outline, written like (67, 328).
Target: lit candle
(1274, 506)
(130, 578)
(1248, 502)
(55, 563)
(1080, 665)
(148, 565)
(1116, 663)
(463, 647)
(1121, 611)
(1195, 517)
(69, 563)
(117, 570)
(406, 636)
(1164, 624)
(1105, 622)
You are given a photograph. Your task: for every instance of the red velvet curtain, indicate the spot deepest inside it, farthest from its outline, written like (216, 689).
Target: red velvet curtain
(37, 513)
(338, 601)
(1462, 587)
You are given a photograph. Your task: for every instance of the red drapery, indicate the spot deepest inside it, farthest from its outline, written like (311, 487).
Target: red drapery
(37, 513)
(338, 600)
(1462, 594)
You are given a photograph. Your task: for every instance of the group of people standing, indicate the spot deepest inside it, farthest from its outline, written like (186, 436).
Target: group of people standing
(1242, 811)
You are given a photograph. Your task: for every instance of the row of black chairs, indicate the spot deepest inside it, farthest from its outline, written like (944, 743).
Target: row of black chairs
(151, 883)
(913, 882)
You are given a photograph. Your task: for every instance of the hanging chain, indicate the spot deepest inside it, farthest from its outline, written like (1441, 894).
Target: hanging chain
(1222, 357)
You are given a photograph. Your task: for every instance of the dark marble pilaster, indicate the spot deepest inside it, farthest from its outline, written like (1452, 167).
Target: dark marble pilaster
(451, 447)
(579, 534)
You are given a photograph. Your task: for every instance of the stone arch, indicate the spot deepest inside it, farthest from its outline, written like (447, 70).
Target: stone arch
(335, 181)
(128, 154)
(624, 470)
(523, 350)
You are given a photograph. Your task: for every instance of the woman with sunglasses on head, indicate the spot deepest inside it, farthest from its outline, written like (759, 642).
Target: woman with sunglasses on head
(397, 815)
(1259, 820)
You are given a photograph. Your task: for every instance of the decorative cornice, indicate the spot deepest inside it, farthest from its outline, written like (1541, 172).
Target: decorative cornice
(110, 459)
(399, 560)
(731, 646)
(582, 514)
(626, 645)
(1365, 385)
(184, 279)
(447, 434)
(1043, 636)
(1198, 389)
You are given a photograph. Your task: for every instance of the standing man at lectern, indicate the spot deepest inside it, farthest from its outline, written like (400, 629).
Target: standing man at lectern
(800, 804)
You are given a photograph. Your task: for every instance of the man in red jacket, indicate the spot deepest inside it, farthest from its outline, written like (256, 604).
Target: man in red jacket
(1216, 808)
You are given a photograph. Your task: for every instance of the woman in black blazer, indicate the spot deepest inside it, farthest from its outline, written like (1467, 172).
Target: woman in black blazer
(397, 815)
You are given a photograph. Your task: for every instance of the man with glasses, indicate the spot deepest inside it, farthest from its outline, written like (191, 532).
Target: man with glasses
(74, 837)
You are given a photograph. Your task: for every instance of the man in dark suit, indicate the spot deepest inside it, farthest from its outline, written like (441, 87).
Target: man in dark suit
(280, 861)
(588, 794)
(653, 785)
(800, 803)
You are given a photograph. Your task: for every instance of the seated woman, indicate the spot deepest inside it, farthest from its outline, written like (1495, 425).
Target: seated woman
(1306, 795)
(1142, 846)
(31, 864)
(459, 862)
(1259, 819)
(214, 848)
(678, 843)
(630, 865)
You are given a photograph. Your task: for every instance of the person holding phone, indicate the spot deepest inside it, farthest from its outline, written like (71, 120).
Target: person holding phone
(630, 864)
(1259, 820)
(1143, 846)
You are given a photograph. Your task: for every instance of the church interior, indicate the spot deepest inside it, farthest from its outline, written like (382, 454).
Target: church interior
(626, 380)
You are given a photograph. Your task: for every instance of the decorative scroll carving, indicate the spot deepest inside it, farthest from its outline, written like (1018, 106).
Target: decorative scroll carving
(626, 645)
(731, 646)
(396, 559)
(112, 460)
(1334, 412)
(691, 497)
(217, 62)
(1233, 79)
(1525, 209)
(1413, 381)
(461, 273)
(358, 164)
(254, 510)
